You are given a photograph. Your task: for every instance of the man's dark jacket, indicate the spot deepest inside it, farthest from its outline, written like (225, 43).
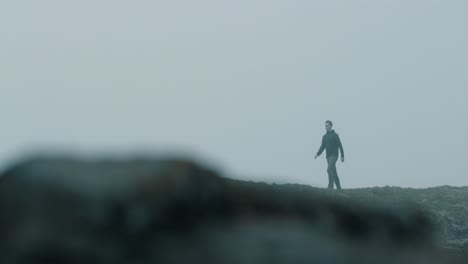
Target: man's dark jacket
(331, 142)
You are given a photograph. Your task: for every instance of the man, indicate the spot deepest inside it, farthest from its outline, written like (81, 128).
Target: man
(331, 142)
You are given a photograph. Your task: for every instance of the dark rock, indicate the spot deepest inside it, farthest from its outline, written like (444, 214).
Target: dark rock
(176, 211)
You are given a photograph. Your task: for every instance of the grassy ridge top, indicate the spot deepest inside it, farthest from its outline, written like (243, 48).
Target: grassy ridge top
(446, 206)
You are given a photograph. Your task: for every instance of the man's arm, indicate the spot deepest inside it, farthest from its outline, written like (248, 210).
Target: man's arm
(322, 147)
(341, 147)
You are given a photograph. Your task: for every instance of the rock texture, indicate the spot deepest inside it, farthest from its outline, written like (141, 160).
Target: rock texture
(176, 211)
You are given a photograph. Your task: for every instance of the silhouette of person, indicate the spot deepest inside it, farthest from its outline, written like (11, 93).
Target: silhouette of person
(331, 143)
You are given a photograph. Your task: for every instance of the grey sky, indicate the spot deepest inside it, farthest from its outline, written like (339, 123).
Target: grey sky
(246, 84)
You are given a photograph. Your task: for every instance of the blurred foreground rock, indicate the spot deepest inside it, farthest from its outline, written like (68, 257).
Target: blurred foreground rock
(175, 211)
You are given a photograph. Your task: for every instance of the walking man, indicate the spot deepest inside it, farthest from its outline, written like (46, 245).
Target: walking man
(331, 142)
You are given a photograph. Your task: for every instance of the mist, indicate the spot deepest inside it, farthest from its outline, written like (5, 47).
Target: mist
(247, 85)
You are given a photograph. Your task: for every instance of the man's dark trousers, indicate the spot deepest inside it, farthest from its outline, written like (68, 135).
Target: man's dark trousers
(332, 173)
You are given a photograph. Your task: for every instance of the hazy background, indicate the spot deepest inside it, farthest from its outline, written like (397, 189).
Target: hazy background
(246, 85)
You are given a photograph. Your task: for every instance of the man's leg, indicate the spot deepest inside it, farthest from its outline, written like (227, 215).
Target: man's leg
(336, 179)
(331, 169)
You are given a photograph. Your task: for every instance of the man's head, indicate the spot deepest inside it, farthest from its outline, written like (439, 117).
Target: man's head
(328, 125)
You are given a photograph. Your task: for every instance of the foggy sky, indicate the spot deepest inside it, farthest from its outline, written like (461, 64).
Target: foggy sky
(247, 85)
